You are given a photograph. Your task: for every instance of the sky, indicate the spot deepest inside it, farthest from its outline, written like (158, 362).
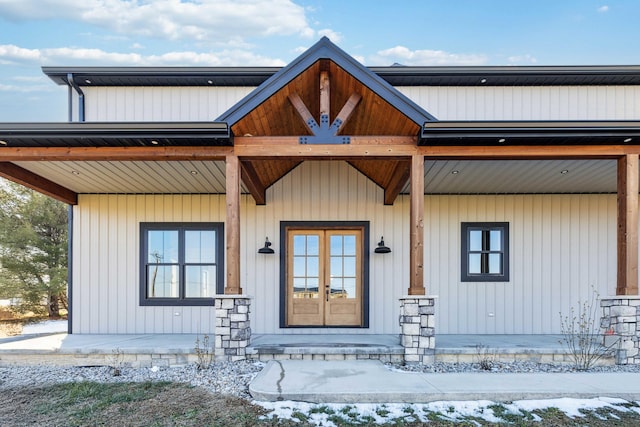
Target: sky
(36, 33)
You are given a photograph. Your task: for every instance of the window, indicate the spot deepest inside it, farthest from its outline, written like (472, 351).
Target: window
(485, 252)
(181, 263)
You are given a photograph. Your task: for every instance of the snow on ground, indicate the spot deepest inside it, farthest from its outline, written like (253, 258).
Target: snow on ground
(46, 327)
(330, 414)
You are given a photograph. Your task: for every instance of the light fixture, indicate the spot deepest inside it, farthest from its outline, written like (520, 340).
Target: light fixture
(266, 249)
(483, 81)
(564, 171)
(154, 142)
(87, 81)
(455, 172)
(210, 82)
(194, 173)
(382, 249)
(502, 140)
(628, 140)
(3, 142)
(75, 172)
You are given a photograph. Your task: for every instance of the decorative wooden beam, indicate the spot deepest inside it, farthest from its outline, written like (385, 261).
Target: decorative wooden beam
(331, 151)
(70, 154)
(253, 183)
(416, 236)
(628, 176)
(38, 183)
(397, 182)
(325, 94)
(346, 111)
(303, 112)
(232, 226)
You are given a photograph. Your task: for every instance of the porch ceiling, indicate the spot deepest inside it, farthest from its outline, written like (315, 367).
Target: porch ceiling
(473, 177)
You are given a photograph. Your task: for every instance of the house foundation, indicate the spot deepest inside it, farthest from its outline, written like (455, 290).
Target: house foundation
(621, 323)
(233, 329)
(418, 328)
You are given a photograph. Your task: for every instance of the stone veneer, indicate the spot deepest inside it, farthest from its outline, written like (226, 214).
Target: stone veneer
(621, 323)
(418, 328)
(233, 331)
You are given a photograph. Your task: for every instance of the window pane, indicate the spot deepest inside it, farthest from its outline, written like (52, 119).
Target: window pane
(336, 285)
(475, 240)
(349, 245)
(299, 266)
(474, 264)
(162, 281)
(299, 245)
(200, 281)
(200, 246)
(336, 245)
(313, 245)
(162, 246)
(349, 288)
(350, 266)
(495, 240)
(495, 263)
(312, 267)
(336, 266)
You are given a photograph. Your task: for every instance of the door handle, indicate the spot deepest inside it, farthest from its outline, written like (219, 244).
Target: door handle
(327, 293)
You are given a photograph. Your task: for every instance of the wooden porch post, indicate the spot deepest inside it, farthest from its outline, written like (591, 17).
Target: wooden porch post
(416, 279)
(232, 226)
(628, 175)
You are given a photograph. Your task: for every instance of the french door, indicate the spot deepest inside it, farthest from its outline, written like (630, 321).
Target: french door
(324, 277)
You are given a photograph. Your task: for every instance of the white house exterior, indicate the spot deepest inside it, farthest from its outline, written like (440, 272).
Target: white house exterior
(510, 194)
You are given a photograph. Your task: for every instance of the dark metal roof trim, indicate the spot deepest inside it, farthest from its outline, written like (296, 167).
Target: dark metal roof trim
(114, 133)
(394, 75)
(529, 132)
(325, 49)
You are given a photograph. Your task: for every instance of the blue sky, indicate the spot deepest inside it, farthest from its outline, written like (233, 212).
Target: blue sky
(35, 33)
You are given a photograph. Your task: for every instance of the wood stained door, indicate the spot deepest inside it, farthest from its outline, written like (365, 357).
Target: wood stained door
(324, 277)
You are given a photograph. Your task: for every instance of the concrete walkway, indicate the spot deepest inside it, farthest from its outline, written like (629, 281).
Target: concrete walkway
(369, 381)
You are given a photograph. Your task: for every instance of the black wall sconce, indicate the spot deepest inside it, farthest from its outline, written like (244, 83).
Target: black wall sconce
(382, 249)
(266, 249)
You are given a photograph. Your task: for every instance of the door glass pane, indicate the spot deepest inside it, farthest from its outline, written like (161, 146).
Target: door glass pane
(299, 245)
(336, 245)
(495, 240)
(474, 264)
(162, 281)
(495, 263)
(162, 246)
(350, 266)
(299, 266)
(475, 240)
(199, 246)
(349, 288)
(350, 245)
(336, 266)
(200, 281)
(312, 266)
(336, 286)
(313, 245)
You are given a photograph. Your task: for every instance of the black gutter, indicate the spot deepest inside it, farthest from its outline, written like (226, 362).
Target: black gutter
(70, 269)
(73, 84)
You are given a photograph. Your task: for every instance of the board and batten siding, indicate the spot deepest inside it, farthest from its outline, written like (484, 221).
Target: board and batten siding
(527, 102)
(561, 246)
(161, 104)
(150, 103)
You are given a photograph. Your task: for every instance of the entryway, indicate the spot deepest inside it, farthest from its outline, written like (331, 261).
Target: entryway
(324, 275)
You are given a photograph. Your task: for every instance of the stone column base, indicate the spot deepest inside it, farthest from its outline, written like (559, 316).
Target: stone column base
(418, 328)
(621, 323)
(233, 331)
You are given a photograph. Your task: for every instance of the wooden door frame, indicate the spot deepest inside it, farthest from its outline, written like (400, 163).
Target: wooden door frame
(339, 225)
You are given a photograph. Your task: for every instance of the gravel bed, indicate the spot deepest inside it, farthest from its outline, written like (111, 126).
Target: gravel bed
(233, 378)
(230, 378)
(507, 367)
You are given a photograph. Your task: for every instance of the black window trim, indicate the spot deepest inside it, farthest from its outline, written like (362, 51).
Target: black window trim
(484, 277)
(181, 227)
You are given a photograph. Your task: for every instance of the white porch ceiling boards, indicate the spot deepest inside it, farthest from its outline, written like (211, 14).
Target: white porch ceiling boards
(171, 177)
(519, 176)
(473, 177)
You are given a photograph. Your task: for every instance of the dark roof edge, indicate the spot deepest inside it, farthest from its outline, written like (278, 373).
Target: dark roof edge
(394, 75)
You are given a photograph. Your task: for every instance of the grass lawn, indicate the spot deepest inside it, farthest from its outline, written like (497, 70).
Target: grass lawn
(174, 404)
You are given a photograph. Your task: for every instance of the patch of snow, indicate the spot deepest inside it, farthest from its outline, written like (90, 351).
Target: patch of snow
(46, 327)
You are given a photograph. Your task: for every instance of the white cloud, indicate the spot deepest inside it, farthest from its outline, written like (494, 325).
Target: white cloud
(522, 59)
(12, 54)
(203, 20)
(603, 9)
(405, 56)
(334, 36)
